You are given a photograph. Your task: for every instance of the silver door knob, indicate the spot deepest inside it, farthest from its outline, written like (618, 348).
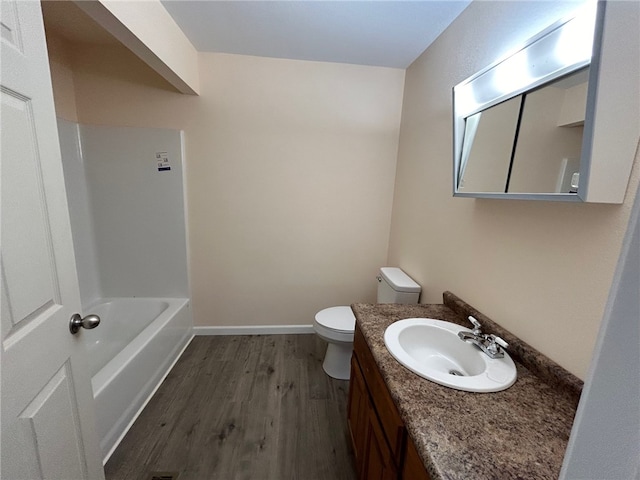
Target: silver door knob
(88, 322)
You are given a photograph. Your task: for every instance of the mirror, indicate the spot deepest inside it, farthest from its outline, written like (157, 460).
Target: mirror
(549, 140)
(489, 138)
(520, 124)
(529, 143)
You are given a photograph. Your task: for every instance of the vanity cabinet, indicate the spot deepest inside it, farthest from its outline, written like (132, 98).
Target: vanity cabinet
(381, 446)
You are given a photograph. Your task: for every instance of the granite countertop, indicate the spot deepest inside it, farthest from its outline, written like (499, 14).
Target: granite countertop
(519, 433)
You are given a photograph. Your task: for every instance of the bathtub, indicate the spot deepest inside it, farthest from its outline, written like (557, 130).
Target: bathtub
(129, 354)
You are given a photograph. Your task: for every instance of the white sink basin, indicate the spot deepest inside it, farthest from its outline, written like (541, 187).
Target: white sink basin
(432, 349)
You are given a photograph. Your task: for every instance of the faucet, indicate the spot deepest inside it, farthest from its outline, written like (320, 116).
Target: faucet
(491, 345)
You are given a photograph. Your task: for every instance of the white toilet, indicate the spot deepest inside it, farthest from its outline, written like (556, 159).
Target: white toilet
(336, 325)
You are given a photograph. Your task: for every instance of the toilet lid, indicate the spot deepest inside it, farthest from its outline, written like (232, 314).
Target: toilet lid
(340, 319)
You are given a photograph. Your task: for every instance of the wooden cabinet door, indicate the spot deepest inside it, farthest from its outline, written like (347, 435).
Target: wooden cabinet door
(412, 467)
(357, 414)
(388, 415)
(379, 463)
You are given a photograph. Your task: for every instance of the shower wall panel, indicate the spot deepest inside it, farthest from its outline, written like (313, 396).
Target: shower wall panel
(134, 178)
(126, 202)
(84, 243)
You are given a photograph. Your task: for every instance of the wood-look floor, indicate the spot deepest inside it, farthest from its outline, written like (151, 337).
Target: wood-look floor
(242, 407)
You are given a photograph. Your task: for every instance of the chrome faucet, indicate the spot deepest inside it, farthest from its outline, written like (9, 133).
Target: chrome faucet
(490, 344)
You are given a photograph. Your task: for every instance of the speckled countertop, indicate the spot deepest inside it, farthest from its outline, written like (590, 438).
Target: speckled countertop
(519, 433)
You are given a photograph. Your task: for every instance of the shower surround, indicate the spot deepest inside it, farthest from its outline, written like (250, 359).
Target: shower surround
(126, 202)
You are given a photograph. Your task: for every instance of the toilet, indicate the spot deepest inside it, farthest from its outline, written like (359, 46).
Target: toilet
(336, 325)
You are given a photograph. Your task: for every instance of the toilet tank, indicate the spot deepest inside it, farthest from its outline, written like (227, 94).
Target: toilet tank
(395, 286)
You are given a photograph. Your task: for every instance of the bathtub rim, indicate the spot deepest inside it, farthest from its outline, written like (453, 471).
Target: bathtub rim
(172, 334)
(95, 352)
(189, 338)
(121, 360)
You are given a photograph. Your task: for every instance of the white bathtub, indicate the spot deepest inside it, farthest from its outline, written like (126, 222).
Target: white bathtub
(129, 354)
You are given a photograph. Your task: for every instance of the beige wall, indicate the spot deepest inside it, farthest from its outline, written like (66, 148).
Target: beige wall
(540, 269)
(290, 172)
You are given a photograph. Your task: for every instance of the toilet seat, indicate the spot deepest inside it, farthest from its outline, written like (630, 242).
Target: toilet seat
(338, 319)
(336, 325)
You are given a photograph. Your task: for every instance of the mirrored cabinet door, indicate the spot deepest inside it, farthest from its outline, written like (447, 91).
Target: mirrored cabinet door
(549, 138)
(488, 147)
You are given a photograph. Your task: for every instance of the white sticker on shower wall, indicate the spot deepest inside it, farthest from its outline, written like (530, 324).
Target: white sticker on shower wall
(162, 160)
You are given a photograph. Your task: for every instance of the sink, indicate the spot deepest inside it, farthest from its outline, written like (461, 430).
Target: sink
(432, 349)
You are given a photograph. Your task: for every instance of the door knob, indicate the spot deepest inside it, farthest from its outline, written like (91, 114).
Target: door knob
(88, 322)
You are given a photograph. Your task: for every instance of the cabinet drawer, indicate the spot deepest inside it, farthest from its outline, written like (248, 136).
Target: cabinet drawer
(392, 426)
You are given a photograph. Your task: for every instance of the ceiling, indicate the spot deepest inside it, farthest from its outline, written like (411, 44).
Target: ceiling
(378, 33)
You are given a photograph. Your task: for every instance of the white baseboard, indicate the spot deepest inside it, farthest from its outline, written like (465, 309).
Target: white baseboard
(255, 330)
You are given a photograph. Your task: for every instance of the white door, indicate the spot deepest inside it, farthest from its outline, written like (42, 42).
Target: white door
(48, 426)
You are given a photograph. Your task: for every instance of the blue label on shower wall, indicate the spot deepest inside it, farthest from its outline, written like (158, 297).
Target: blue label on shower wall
(162, 159)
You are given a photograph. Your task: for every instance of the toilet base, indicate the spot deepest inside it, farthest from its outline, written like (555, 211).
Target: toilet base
(337, 360)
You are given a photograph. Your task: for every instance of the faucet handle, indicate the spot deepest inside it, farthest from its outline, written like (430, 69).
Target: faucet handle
(493, 348)
(476, 324)
(499, 341)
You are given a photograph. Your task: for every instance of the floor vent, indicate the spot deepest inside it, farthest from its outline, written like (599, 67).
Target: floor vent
(163, 476)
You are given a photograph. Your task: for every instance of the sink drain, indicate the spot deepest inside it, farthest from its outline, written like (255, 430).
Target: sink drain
(457, 373)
